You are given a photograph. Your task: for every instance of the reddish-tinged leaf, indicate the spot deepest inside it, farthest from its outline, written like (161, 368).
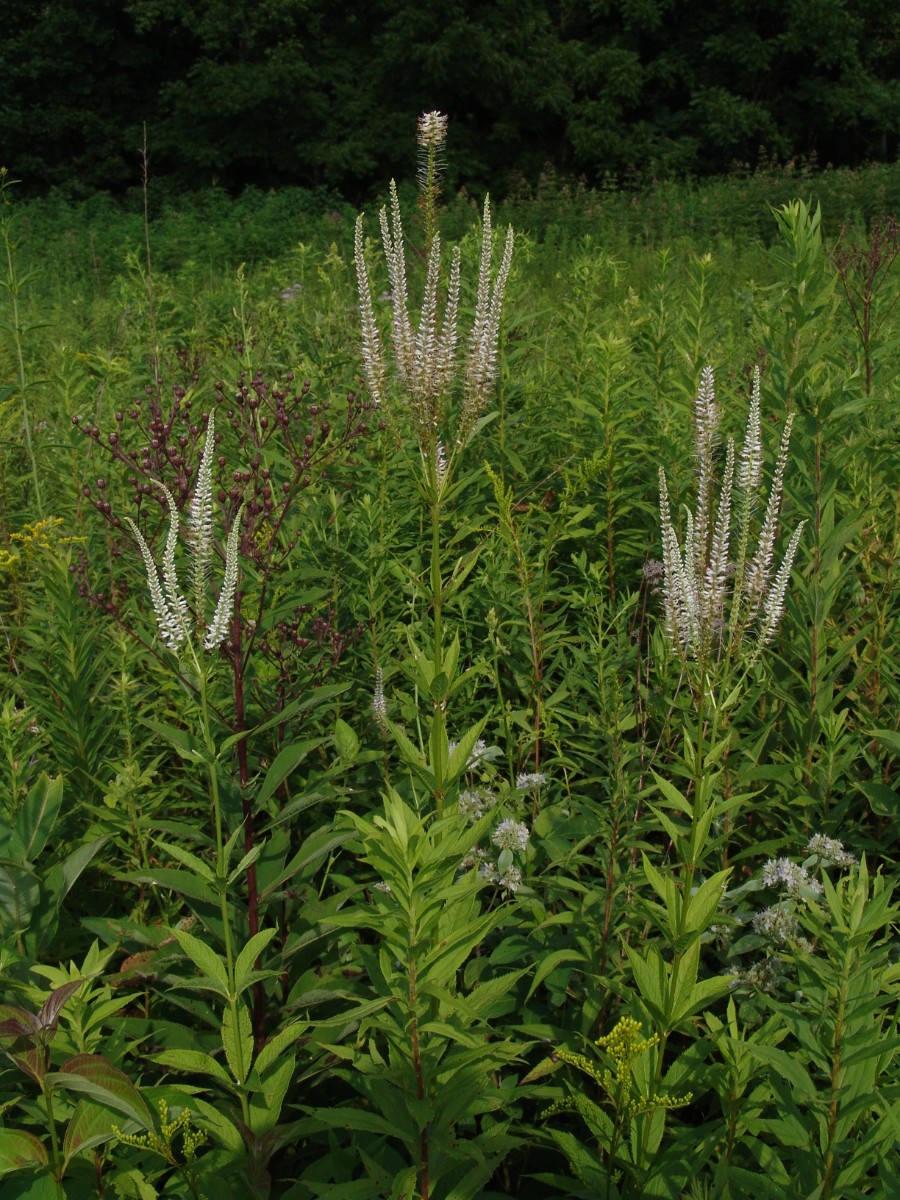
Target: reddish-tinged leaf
(106, 1084)
(31, 1060)
(18, 1022)
(49, 1014)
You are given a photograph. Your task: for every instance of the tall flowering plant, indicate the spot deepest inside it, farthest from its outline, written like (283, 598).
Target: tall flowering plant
(723, 604)
(434, 384)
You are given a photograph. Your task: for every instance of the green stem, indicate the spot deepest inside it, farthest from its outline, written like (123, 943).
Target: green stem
(55, 1165)
(437, 607)
(221, 883)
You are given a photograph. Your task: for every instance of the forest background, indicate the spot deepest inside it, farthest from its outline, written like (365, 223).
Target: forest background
(318, 94)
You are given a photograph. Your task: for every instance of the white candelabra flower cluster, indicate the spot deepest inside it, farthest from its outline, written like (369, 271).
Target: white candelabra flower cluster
(700, 577)
(169, 603)
(426, 358)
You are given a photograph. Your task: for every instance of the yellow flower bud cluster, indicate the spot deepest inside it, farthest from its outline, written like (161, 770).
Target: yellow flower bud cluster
(623, 1045)
(33, 539)
(161, 1143)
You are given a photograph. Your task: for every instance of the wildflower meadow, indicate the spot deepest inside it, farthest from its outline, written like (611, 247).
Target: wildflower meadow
(450, 715)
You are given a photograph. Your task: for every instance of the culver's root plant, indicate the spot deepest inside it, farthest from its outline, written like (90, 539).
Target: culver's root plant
(435, 393)
(722, 605)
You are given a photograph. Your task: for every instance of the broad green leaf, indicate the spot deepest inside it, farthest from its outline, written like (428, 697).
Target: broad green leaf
(130, 1185)
(188, 747)
(191, 861)
(549, 964)
(354, 1118)
(650, 977)
(19, 896)
(787, 1067)
(90, 1125)
(672, 794)
(19, 1149)
(181, 882)
(246, 960)
(346, 742)
(410, 753)
(33, 1187)
(705, 902)
(458, 761)
(246, 862)
(265, 1104)
(277, 1045)
(77, 861)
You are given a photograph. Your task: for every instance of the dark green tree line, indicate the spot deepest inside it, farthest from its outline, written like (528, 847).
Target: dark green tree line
(322, 92)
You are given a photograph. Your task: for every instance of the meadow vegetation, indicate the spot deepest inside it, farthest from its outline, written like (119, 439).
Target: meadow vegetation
(451, 765)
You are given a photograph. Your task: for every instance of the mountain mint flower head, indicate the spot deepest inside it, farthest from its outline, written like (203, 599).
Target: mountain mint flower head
(530, 779)
(719, 599)
(510, 835)
(830, 851)
(169, 603)
(777, 925)
(789, 877)
(472, 803)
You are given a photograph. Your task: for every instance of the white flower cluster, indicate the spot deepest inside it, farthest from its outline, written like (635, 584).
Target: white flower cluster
(830, 851)
(766, 975)
(473, 803)
(789, 876)
(777, 924)
(169, 603)
(510, 835)
(530, 779)
(714, 589)
(509, 880)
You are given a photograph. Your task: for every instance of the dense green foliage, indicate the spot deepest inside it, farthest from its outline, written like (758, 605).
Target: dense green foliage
(318, 93)
(445, 875)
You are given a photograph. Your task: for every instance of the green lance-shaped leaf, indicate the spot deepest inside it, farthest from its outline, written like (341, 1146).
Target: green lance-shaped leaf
(237, 1040)
(36, 818)
(211, 967)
